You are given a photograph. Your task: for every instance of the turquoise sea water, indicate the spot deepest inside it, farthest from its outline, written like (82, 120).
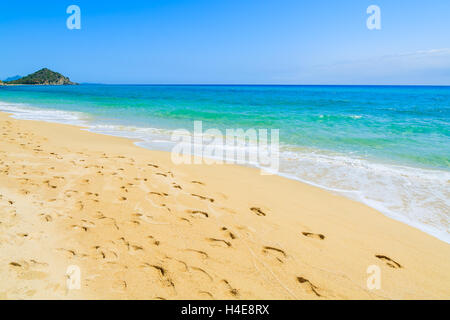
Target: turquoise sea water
(388, 147)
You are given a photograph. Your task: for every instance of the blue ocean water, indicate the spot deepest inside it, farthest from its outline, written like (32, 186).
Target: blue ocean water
(386, 146)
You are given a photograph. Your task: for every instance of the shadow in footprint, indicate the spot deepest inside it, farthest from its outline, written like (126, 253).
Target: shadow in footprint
(309, 285)
(314, 235)
(391, 263)
(202, 197)
(277, 253)
(213, 240)
(258, 211)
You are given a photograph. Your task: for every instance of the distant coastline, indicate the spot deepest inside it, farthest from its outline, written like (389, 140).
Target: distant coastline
(264, 85)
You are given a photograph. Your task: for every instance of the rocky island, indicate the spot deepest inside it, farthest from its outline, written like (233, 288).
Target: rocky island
(42, 77)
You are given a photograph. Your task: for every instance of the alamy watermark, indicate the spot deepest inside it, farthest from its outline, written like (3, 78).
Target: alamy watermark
(73, 277)
(374, 20)
(374, 279)
(258, 147)
(74, 20)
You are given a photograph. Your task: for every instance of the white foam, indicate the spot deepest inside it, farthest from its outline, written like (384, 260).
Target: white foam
(26, 112)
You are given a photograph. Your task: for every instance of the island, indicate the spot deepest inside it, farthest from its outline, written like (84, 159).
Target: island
(42, 77)
(12, 78)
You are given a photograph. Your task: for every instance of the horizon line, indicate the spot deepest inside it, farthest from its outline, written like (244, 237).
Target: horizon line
(260, 85)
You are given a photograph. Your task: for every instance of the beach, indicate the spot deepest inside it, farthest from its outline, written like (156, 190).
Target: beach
(138, 226)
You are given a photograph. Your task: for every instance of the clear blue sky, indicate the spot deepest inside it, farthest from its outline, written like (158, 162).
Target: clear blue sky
(229, 41)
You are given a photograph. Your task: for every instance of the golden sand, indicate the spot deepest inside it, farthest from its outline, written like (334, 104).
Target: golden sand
(140, 227)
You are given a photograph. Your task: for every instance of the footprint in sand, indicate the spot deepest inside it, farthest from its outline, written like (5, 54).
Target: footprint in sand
(258, 211)
(309, 285)
(219, 242)
(391, 263)
(314, 235)
(68, 252)
(201, 273)
(23, 270)
(119, 285)
(202, 197)
(277, 253)
(161, 174)
(136, 248)
(232, 291)
(177, 186)
(203, 254)
(161, 194)
(153, 240)
(207, 294)
(198, 213)
(162, 274)
(229, 233)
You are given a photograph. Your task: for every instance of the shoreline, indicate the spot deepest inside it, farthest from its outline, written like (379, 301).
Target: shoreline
(134, 133)
(140, 227)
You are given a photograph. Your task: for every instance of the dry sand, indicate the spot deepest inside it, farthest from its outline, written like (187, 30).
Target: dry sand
(140, 227)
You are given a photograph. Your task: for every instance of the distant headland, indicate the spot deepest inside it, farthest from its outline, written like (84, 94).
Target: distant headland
(42, 77)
